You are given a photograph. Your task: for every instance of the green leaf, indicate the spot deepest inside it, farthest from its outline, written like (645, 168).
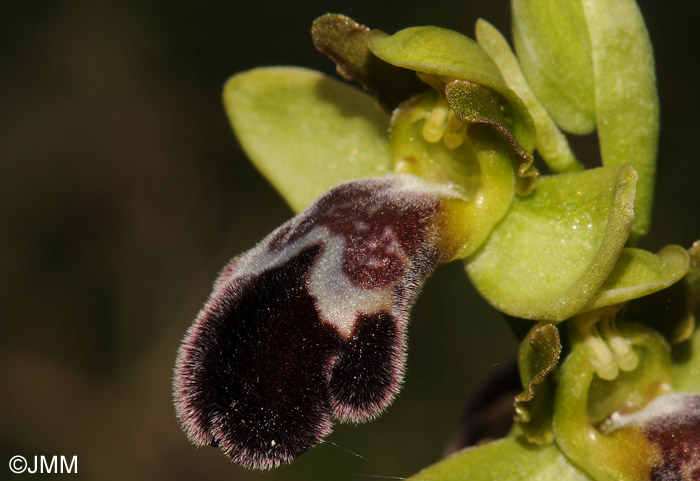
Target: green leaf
(639, 273)
(551, 142)
(552, 44)
(554, 248)
(537, 357)
(509, 459)
(345, 42)
(450, 54)
(626, 102)
(306, 132)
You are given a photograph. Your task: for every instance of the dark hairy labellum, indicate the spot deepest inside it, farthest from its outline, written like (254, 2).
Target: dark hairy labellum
(309, 325)
(671, 423)
(678, 436)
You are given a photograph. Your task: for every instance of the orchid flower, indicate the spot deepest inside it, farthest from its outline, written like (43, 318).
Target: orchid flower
(434, 163)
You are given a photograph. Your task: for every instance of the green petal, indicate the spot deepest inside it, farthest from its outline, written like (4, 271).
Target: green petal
(551, 142)
(444, 52)
(639, 273)
(476, 104)
(554, 248)
(306, 132)
(345, 42)
(626, 103)
(551, 40)
(537, 357)
(509, 459)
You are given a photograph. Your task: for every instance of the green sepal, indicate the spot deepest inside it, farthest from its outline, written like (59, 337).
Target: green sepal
(537, 357)
(550, 142)
(508, 459)
(555, 247)
(638, 273)
(552, 44)
(306, 132)
(626, 102)
(451, 55)
(670, 310)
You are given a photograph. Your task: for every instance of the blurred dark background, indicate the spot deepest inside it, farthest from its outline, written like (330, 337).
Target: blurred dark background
(123, 192)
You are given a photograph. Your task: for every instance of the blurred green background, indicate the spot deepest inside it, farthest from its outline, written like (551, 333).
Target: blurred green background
(123, 192)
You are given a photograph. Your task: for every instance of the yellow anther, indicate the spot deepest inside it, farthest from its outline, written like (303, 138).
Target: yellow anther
(603, 360)
(434, 127)
(627, 359)
(611, 352)
(452, 141)
(454, 125)
(432, 134)
(456, 132)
